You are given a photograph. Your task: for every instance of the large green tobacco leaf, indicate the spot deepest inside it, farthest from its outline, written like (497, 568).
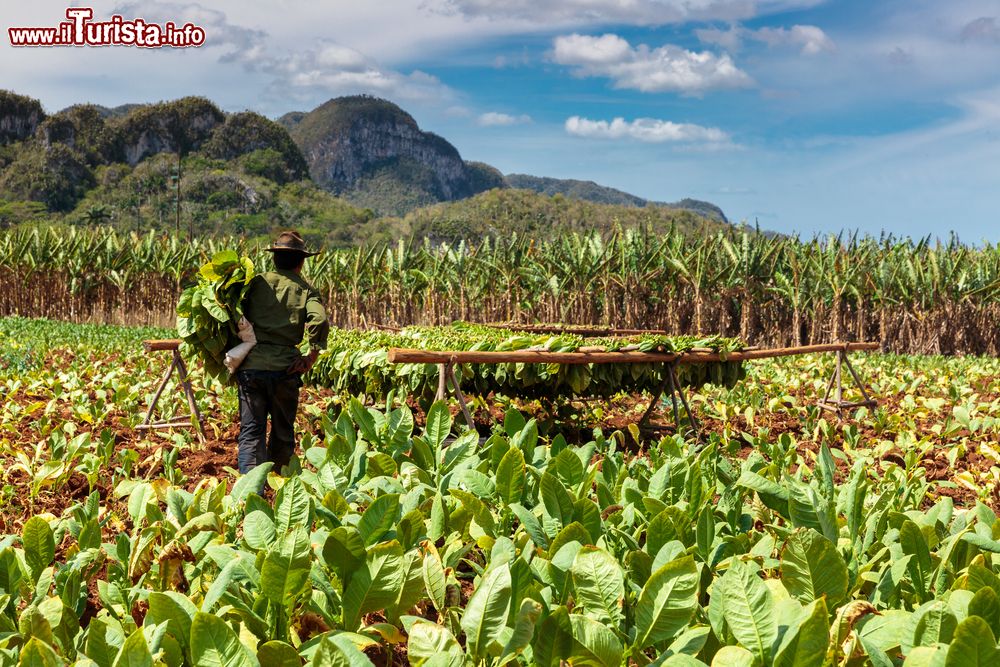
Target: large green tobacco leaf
(214, 644)
(805, 644)
(734, 656)
(339, 651)
(278, 654)
(379, 518)
(510, 476)
(598, 585)
(438, 424)
(524, 630)
(933, 623)
(593, 643)
(286, 567)
(667, 602)
(135, 652)
(748, 608)
(376, 585)
(39, 544)
(429, 643)
(486, 613)
(986, 605)
(291, 506)
(812, 568)
(173, 609)
(556, 499)
(36, 653)
(973, 645)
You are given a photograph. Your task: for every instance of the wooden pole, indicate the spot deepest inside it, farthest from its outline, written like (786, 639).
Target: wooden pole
(160, 345)
(840, 382)
(460, 396)
(684, 401)
(159, 392)
(190, 394)
(442, 389)
(410, 356)
(656, 397)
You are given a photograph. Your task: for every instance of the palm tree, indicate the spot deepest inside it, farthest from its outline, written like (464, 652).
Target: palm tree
(97, 215)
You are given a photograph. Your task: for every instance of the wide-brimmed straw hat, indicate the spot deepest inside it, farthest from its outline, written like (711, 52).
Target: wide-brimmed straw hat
(291, 241)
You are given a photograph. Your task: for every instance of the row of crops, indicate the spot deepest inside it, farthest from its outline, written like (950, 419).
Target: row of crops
(915, 296)
(397, 538)
(446, 551)
(518, 551)
(356, 362)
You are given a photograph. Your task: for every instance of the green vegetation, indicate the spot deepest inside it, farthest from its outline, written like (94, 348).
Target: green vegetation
(501, 214)
(209, 312)
(56, 177)
(913, 296)
(600, 194)
(784, 539)
(86, 165)
(248, 132)
(355, 362)
(244, 174)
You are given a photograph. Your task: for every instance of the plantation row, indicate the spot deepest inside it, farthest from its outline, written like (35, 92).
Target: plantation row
(916, 297)
(783, 540)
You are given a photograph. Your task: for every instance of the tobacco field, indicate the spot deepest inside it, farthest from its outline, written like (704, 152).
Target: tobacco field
(914, 295)
(553, 534)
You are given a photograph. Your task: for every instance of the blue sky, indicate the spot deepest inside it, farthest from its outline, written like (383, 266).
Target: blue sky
(807, 116)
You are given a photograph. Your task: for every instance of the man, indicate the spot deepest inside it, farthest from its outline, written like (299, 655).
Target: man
(282, 307)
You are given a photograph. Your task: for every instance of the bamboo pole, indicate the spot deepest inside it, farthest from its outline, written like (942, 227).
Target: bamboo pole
(410, 356)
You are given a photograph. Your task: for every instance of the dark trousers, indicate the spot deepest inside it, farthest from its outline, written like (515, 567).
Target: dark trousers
(264, 393)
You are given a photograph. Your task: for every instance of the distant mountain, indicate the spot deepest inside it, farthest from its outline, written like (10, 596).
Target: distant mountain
(601, 194)
(372, 153)
(239, 172)
(503, 212)
(354, 169)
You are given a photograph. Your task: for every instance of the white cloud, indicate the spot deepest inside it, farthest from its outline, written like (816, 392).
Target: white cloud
(312, 70)
(334, 69)
(810, 39)
(496, 119)
(985, 28)
(730, 39)
(550, 13)
(649, 130)
(238, 43)
(585, 50)
(666, 68)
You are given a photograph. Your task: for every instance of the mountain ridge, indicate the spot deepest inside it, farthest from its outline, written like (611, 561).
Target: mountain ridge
(353, 168)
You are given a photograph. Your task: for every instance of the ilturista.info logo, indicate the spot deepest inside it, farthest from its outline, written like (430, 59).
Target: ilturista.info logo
(80, 29)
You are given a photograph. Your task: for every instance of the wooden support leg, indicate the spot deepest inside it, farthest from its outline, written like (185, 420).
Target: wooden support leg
(673, 399)
(442, 389)
(460, 396)
(195, 413)
(683, 396)
(840, 383)
(159, 392)
(857, 380)
(656, 398)
(836, 384)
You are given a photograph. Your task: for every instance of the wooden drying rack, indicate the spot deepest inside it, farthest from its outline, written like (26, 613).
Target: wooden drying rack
(193, 419)
(446, 361)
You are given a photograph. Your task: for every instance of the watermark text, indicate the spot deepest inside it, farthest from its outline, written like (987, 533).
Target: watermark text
(81, 30)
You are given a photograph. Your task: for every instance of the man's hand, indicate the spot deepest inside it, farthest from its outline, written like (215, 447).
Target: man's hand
(303, 364)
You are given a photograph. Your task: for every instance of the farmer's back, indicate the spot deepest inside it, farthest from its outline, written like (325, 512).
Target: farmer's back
(282, 307)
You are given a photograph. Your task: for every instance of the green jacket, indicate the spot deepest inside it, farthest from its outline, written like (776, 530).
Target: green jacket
(283, 307)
